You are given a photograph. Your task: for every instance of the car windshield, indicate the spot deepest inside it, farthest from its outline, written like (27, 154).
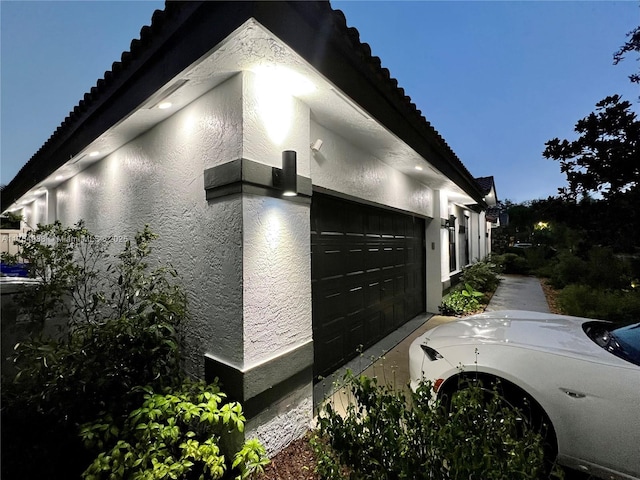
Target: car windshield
(623, 342)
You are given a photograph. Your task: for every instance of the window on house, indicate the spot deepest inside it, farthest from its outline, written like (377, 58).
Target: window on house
(452, 248)
(465, 239)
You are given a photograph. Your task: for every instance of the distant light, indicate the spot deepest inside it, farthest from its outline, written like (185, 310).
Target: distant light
(289, 193)
(95, 153)
(60, 177)
(418, 167)
(165, 105)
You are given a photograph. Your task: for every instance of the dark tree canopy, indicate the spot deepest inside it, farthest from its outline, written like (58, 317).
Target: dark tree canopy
(605, 158)
(632, 45)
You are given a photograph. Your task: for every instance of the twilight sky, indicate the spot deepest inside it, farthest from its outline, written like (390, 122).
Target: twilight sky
(496, 79)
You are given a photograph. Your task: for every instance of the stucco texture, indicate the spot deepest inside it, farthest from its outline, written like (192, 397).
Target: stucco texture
(157, 179)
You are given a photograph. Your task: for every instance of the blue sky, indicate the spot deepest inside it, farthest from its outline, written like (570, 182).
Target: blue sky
(496, 79)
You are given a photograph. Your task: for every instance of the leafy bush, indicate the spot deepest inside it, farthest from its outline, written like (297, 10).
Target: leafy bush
(482, 276)
(461, 301)
(59, 258)
(568, 269)
(590, 302)
(177, 434)
(122, 330)
(511, 263)
(379, 437)
(606, 270)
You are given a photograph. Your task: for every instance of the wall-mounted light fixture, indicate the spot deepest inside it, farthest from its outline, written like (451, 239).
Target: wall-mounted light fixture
(287, 178)
(449, 222)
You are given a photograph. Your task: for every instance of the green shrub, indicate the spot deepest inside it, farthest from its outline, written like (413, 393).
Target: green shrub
(538, 257)
(380, 437)
(122, 331)
(590, 302)
(606, 270)
(185, 433)
(482, 276)
(123, 322)
(62, 259)
(568, 269)
(511, 263)
(461, 301)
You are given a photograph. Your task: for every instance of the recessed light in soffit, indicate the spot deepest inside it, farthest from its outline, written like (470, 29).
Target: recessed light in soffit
(160, 99)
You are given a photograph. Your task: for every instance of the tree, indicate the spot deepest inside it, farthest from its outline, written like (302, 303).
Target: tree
(632, 45)
(605, 159)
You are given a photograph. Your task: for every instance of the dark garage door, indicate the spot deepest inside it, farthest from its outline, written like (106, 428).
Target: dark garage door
(368, 276)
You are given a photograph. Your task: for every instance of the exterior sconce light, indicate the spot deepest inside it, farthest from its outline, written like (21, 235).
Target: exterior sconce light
(449, 222)
(287, 178)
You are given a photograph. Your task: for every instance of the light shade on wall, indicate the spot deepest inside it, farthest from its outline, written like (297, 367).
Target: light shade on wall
(289, 173)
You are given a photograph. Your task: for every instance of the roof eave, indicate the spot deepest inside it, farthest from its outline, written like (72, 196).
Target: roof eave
(321, 37)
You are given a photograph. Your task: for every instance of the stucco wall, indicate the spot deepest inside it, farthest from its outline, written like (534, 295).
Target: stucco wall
(35, 212)
(157, 179)
(273, 121)
(277, 277)
(345, 168)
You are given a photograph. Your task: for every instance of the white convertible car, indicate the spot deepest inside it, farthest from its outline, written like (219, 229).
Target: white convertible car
(579, 377)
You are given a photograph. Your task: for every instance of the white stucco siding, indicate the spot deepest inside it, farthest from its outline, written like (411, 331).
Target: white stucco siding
(157, 179)
(276, 232)
(277, 277)
(345, 168)
(273, 121)
(35, 212)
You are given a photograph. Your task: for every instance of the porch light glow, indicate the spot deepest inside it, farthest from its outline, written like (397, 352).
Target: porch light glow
(276, 88)
(284, 79)
(272, 229)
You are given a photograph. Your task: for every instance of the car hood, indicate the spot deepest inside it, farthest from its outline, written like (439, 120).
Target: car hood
(530, 330)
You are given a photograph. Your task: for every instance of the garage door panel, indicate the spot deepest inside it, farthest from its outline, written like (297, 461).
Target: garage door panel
(355, 299)
(374, 325)
(354, 259)
(332, 354)
(373, 291)
(355, 333)
(399, 314)
(367, 276)
(400, 284)
(387, 319)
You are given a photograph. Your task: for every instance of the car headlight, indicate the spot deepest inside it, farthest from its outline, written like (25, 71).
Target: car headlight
(431, 353)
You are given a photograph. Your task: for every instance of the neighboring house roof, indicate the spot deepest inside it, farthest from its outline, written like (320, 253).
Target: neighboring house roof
(183, 32)
(493, 214)
(488, 188)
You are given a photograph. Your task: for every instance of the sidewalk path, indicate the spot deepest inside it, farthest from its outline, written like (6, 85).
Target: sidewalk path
(518, 292)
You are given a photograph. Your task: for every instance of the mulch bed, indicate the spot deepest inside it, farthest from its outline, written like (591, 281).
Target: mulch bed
(295, 462)
(551, 295)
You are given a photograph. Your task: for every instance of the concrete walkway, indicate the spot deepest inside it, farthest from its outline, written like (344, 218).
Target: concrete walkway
(517, 292)
(389, 359)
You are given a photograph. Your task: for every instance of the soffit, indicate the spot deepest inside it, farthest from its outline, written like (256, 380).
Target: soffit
(248, 46)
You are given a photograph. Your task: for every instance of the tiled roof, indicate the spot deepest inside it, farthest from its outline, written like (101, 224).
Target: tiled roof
(485, 184)
(154, 37)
